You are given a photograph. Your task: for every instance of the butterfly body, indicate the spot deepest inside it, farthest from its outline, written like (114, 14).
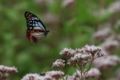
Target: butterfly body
(35, 28)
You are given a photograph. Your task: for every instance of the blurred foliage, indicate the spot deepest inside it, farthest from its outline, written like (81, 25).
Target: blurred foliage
(75, 26)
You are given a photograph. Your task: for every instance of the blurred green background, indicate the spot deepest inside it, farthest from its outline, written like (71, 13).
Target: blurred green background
(70, 26)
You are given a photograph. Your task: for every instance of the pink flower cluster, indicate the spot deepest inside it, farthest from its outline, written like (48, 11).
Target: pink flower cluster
(82, 56)
(106, 62)
(6, 71)
(58, 63)
(50, 75)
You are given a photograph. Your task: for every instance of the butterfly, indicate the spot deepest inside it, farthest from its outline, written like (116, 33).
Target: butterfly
(35, 28)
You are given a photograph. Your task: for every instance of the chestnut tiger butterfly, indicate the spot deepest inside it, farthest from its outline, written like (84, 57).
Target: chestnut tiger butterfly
(35, 28)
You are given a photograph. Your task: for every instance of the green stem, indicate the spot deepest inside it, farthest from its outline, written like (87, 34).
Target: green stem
(89, 66)
(76, 72)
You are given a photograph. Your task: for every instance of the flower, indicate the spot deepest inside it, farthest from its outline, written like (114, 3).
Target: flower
(6, 71)
(55, 74)
(70, 78)
(47, 77)
(31, 76)
(115, 7)
(92, 48)
(36, 76)
(93, 72)
(58, 63)
(67, 3)
(102, 34)
(106, 62)
(51, 19)
(94, 51)
(82, 56)
(79, 58)
(109, 45)
(67, 52)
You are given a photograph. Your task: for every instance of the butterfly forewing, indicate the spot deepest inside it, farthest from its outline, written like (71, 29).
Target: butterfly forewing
(33, 21)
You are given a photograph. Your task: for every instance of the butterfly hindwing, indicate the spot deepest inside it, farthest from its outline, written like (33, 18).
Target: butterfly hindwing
(34, 35)
(35, 28)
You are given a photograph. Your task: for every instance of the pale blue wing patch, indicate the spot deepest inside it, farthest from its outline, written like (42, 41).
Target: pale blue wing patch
(37, 24)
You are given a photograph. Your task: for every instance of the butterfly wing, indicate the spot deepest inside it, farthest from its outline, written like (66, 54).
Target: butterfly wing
(35, 28)
(33, 22)
(34, 35)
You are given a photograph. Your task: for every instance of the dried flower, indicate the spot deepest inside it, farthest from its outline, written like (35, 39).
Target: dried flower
(93, 73)
(106, 62)
(55, 74)
(58, 63)
(67, 52)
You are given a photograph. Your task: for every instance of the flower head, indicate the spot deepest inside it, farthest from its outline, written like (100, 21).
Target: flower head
(31, 77)
(102, 34)
(80, 59)
(110, 44)
(36, 76)
(115, 7)
(106, 62)
(55, 74)
(94, 51)
(51, 19)
(94, 72)
(58, 63)
(67, 52)
(6, 71)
